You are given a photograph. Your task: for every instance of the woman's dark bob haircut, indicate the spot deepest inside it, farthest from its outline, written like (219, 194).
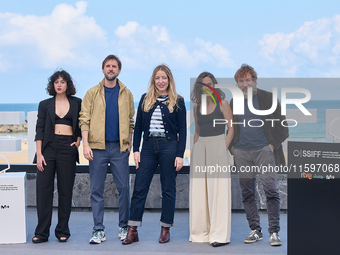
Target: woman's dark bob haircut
(70, 91)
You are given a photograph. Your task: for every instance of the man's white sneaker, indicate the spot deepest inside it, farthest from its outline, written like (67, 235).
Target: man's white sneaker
(98, 236)
(254, 236)
(275, 239)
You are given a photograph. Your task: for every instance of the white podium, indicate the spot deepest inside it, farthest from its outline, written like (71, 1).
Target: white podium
(13, 208)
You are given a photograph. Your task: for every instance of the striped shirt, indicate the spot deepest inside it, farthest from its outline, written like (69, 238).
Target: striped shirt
(156, 123)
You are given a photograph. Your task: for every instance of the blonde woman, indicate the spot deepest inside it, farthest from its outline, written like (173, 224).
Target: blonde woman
(210, 192)
(161, 119)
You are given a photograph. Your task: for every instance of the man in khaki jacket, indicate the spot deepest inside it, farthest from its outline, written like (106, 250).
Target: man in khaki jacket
(106, 122)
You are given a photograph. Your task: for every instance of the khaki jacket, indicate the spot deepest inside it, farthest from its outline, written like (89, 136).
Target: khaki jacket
(92, 116)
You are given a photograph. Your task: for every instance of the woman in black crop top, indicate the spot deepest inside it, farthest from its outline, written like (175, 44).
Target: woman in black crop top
(57, 141)
(210, 185)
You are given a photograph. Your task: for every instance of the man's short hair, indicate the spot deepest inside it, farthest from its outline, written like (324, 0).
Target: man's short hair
(244, 70)
(109, 57)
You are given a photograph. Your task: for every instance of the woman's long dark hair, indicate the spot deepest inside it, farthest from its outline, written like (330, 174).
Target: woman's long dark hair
(197, 92)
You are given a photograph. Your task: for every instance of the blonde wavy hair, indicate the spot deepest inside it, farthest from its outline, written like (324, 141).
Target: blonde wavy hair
(152, 94)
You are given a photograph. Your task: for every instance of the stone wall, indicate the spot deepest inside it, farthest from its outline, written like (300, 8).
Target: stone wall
(81, 192)
(14, 128)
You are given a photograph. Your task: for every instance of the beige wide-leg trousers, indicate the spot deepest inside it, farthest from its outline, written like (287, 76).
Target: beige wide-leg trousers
(210, 191)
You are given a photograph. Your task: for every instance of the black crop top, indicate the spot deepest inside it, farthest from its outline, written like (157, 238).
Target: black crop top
(66, 120)
(205, 122)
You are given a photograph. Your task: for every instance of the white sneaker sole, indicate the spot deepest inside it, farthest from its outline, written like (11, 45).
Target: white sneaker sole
(276, 243)
(98, 242)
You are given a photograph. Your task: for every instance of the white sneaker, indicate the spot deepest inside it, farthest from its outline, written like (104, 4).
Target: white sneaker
(98, 236)
(275, 239)
(122, 233)
(254, 236)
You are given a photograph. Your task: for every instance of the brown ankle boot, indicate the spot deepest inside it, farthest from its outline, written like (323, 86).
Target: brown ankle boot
(132, 235)
(165, 235)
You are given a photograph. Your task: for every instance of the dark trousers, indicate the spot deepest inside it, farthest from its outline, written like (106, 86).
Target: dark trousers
(155, 151)
(61, 159)
(250, 158)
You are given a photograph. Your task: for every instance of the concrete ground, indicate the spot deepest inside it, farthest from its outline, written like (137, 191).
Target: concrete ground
(81, 229)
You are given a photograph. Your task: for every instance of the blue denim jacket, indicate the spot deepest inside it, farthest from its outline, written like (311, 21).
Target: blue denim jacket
(174, 124)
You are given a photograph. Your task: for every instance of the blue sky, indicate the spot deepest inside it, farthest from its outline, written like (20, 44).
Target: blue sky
(292, 39)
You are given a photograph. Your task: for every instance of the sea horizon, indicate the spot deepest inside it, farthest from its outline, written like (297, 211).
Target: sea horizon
(302, 130)
(27, 107)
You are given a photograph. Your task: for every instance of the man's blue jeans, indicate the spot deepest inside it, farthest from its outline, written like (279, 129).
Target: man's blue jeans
(155, 151)
(119, 165)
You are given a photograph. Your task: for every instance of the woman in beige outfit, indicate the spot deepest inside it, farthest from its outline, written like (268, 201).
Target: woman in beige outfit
(210, 184)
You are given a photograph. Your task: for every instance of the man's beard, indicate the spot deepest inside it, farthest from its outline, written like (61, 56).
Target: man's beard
(112, 78)
(245, 93)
